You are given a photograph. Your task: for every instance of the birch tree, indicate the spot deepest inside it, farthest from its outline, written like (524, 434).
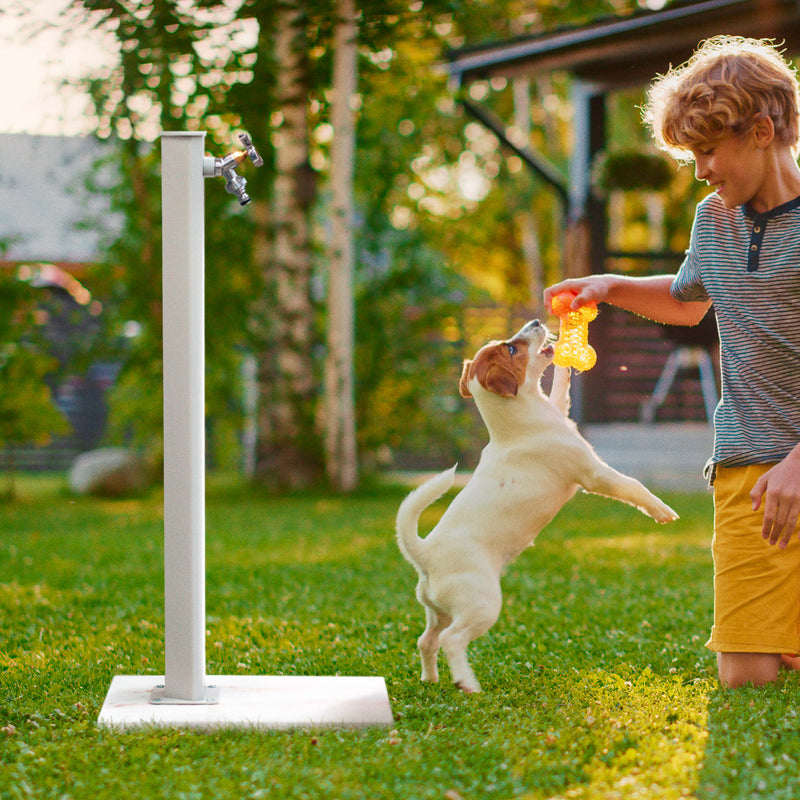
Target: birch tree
(341, 458)
(288, 452)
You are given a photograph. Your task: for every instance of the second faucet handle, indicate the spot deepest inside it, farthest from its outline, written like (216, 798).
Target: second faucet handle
(250, 150)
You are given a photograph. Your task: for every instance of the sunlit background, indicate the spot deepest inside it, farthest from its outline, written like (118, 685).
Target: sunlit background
(43, 45)
(35, 61)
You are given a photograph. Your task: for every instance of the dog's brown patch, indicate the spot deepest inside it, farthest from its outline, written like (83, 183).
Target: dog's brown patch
(496, 369)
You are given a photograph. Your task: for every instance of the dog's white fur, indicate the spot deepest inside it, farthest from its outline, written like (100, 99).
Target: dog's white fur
(534, 462)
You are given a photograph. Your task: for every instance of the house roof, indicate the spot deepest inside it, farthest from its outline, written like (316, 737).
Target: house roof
(624, 51)
(46, 211)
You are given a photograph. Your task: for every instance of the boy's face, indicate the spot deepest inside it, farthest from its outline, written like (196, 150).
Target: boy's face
(733, 165)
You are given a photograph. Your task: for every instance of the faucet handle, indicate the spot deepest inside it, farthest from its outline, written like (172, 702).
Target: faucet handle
(250, 150)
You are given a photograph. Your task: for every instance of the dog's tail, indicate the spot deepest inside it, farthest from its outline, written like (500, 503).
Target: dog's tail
(408, 539)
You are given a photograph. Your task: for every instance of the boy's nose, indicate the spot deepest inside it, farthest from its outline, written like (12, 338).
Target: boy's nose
(700, 169)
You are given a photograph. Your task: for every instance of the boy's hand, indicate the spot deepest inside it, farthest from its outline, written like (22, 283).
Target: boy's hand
(779, 487)
(591, 289)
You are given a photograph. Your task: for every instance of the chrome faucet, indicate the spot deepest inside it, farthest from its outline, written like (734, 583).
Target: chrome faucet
(226, 167)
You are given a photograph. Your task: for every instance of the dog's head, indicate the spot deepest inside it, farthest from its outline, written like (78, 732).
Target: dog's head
(503, 367)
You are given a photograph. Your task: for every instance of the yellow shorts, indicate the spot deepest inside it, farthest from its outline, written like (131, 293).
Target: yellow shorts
(756, 584)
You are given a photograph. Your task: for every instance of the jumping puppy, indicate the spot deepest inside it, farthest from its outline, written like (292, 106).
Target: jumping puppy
(535, 461)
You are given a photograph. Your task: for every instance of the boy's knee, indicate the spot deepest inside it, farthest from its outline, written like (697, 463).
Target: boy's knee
(740, 669)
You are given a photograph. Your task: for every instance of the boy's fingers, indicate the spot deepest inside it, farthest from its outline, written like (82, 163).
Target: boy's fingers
(580, 300)
(790, 523)
(780, 521)
(768, 526)
(757, 492)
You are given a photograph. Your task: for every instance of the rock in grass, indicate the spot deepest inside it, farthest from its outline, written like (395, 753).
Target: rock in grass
(108, 472)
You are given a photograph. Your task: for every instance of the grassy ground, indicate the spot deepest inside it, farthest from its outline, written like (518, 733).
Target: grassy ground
(597, 684)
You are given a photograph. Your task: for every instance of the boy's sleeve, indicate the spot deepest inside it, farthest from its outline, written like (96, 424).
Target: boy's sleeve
(688, 284)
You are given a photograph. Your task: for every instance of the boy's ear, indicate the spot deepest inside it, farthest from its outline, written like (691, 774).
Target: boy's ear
(763, 130)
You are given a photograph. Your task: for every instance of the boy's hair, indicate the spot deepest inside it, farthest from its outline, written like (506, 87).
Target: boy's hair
(722, 89)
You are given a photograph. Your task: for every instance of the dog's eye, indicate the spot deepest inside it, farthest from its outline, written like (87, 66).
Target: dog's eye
(511, 349)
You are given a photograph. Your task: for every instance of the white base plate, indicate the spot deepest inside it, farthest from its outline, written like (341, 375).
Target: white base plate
(252, 701)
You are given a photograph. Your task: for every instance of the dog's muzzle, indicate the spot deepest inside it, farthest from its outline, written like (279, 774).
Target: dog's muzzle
(532, 330)
(529, 327)
(536, 331)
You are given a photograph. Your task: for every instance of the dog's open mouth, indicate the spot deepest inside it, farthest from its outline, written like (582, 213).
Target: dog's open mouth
(547, 348)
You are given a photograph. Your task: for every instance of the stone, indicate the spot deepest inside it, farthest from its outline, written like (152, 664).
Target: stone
(108, 472)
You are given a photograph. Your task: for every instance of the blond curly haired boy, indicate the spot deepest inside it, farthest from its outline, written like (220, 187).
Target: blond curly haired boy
(732, 109)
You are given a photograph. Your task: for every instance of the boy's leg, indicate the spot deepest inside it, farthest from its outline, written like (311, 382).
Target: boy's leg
(790, 662)
(738, 669)
(756, 586)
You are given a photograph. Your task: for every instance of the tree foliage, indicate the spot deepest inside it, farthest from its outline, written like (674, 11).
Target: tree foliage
(426, 176)
(27, 411)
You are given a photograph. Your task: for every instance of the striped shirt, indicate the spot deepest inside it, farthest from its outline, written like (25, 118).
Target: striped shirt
(748, 265)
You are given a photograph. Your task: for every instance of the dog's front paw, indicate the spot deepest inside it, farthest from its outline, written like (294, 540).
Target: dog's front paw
(469, 687)
(663, 513)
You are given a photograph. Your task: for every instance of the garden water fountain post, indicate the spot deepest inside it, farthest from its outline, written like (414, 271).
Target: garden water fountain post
(183, 303)
(185, 696)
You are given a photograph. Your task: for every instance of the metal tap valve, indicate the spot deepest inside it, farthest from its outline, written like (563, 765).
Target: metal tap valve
(226, 167)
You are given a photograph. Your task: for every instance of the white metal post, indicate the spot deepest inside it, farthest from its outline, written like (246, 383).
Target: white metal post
(184, 413)
(183, 698)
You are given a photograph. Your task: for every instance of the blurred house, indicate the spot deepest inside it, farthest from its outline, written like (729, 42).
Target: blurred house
(46, 209)
(52, 227)
(607, 55)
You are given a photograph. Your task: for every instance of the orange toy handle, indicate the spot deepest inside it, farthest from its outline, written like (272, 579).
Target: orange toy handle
(573, 348)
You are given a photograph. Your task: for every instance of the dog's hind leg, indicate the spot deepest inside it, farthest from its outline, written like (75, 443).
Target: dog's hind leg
(472, 621)
(429, 643)
(455, 643)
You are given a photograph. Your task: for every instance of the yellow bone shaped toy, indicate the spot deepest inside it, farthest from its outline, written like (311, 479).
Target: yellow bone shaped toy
(573, 348)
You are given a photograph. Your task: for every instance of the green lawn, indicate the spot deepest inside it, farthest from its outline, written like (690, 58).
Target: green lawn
(597, 683)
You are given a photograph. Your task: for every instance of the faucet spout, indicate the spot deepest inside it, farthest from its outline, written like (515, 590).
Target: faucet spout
(234, 184)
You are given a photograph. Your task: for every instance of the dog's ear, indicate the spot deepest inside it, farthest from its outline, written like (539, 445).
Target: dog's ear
(493, 376)
(500, 380)
(463, 384)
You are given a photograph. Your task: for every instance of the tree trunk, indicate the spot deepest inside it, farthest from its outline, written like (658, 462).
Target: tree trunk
(288, 453)
(339, 393)
(525, 219)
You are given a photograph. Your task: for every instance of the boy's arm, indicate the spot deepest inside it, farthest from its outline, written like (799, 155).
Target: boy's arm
(648, 297)
(779, 488)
